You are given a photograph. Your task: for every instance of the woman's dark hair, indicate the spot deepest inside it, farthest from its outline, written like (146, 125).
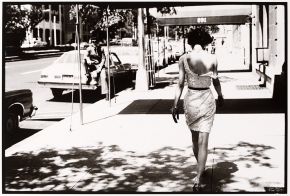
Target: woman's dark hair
(198, 36)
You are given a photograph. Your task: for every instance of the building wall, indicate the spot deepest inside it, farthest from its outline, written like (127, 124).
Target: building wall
(269, 33)
(64, 27)
(276, 38)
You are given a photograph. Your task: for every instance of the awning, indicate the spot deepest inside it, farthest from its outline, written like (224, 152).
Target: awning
(207, 15)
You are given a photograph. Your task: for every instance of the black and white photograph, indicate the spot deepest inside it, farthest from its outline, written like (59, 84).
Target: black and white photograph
(126, 97)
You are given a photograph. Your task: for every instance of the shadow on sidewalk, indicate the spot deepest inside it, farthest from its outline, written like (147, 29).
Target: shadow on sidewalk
(218, 175)
(109, 169)
(89, 96)
(231, 106)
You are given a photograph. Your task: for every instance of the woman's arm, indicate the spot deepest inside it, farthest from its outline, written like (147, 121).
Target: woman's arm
(180, 84)
(215, 80)
(217, 84)
(178, 91)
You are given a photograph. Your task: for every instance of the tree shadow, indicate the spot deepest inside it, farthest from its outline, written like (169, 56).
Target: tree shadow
(109, 169)
(218, 175)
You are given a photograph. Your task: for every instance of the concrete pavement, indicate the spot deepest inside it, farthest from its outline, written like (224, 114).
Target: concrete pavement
(133, 145)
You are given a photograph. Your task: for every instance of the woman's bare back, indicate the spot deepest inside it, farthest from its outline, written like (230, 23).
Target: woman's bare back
(200, 62)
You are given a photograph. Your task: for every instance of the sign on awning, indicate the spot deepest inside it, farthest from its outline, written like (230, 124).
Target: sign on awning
(211, 20)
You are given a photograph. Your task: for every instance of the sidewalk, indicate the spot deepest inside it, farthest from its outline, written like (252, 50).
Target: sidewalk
(134, 145)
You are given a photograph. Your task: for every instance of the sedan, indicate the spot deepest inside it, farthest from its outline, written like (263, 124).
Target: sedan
(65, 73)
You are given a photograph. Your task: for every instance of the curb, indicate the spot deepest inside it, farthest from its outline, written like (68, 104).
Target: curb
(30, 56)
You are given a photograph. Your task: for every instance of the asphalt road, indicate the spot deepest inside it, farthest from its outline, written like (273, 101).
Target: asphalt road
(24, 75)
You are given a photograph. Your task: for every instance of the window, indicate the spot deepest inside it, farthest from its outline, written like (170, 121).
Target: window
(54, 7)
(46, 16)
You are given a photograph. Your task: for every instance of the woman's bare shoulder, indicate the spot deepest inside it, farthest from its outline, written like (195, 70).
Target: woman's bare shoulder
(181, 59)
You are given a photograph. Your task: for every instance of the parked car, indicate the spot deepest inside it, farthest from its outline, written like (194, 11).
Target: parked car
(129, 56)
(18, 105)
(84, 45)
(128, 41)
(39, 44)
(63, 74)
(33, 43)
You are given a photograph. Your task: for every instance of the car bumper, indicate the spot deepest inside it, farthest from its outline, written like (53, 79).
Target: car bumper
(32, 111)
(68, 85)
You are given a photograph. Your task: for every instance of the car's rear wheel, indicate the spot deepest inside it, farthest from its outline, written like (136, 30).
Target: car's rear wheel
(56, 92)
(12, 122)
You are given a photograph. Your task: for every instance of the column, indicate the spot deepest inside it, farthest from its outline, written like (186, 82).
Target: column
(54, 30)
(43, 27)
(50, 26)
(60, 25)
(141, 75)
(81, 30)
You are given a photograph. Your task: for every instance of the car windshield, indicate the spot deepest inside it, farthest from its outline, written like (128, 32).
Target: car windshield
(69, 58)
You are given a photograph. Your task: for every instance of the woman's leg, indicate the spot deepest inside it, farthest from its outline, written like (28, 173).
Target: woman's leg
(194, 137)
(202, 154)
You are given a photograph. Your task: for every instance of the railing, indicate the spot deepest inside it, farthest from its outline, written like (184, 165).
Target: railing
(262, 55)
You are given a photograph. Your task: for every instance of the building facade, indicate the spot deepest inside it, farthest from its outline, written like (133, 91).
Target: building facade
(56, 28)
(269, 46)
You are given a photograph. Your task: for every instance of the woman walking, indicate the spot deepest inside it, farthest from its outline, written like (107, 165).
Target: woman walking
(199, 68)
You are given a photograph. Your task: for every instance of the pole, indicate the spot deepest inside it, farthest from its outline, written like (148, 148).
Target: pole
(50, 26)
(54, 30)
(158, 49)
(79, 62)
(108, 56)
(183, 35)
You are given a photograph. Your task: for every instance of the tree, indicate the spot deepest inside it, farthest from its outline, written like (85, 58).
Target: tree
(208, 28)
(18, 19)
(166, 10)
(94, 17)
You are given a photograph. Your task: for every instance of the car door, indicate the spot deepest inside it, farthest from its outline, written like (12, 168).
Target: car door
(116, 66)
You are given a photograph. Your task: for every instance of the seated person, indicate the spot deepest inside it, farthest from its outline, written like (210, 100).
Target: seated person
(94, 61)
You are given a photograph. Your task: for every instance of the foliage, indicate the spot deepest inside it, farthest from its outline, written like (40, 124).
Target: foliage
(208, 28)
(17, 19)
(166, 10)
(95, 17)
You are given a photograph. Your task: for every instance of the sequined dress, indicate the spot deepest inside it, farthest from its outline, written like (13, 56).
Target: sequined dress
(199, 105)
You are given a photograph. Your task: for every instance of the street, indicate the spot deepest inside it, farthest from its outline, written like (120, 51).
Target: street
(24, 75)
